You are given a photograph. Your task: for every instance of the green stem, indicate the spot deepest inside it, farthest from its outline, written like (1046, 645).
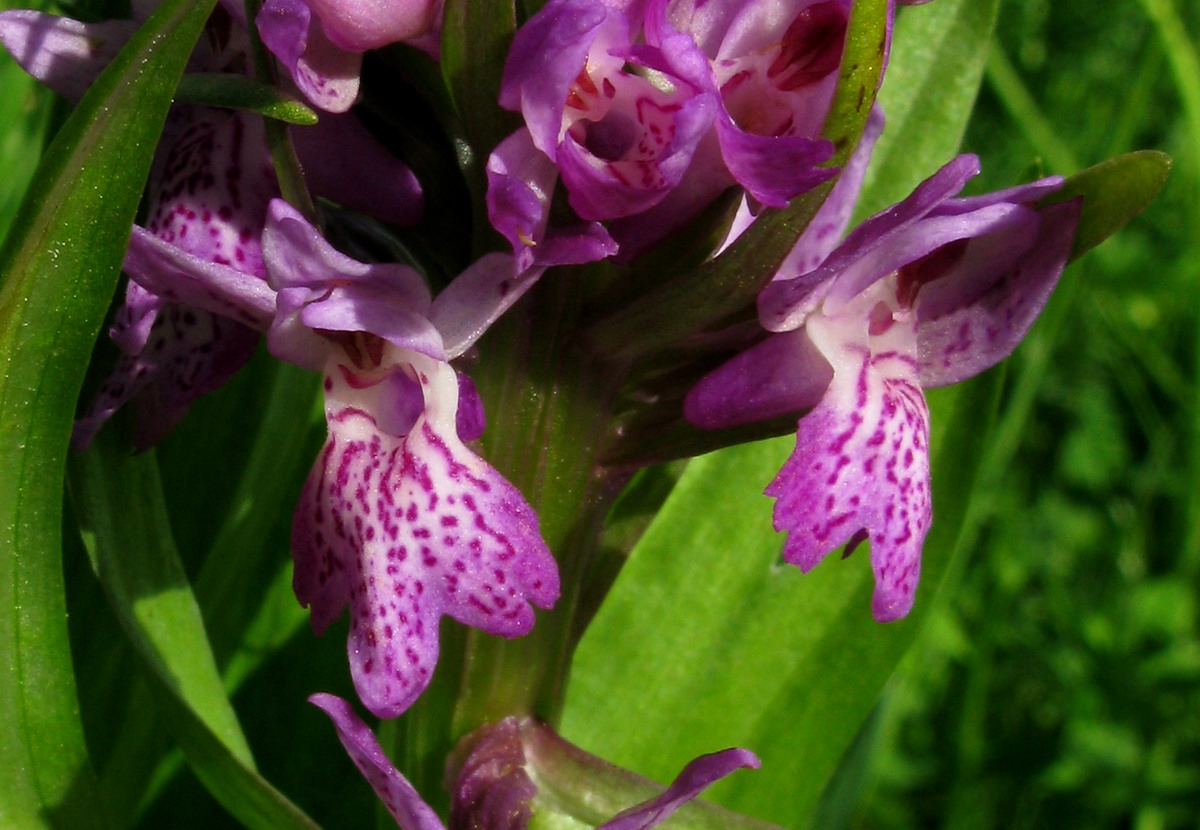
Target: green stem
(550, 407)
(283, 154)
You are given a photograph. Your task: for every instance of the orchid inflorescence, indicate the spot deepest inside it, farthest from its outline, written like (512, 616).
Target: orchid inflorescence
(636, 148)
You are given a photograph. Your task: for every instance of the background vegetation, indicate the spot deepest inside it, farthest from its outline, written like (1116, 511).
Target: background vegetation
(1058, 683)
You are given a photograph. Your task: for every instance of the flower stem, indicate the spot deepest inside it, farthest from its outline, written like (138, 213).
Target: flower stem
(287, 166)
(550, 409)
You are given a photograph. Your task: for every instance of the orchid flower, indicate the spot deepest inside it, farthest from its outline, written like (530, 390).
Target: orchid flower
(772, 66)
(600, 115)
(320, 42)
(398, 518)
(619, 138)
(646, 111)
(928, 293)
(504, 799)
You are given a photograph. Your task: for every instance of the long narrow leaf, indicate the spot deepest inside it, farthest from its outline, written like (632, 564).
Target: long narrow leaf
(59, 267)
(119, 501)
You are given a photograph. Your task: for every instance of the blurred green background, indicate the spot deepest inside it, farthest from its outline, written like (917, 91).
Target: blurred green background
(1058, 684)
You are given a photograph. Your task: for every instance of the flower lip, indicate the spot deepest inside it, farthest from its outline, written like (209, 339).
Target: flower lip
(400, 521)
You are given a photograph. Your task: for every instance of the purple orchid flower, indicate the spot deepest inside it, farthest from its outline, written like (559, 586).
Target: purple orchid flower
(398, 518)
(928, 293)
(320, 42)
(619, 139)
(208, 194)
(601, 115)
(646, 111)
(772, 65)
(209, 162)
(504, 758)
(209, 188)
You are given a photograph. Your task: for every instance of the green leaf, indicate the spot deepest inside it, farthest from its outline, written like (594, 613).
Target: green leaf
(120, 505)
(476, 35)
(59, 266)
(244, 583)
(1113, 192)
(239, 92)
(24, 109)
(938, 55)
(706, 641)
(250, 620)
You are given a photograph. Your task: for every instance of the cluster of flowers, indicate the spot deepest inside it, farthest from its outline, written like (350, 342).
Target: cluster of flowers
(637, 115)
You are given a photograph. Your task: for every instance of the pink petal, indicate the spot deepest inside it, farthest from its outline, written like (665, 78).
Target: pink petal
(175, 275)
(783, 374)
(187, 354)
(321, 288)
(399, 796)
(210, 185)
(327, 74)
(964, 341)
(345, 163)
(66, 55)
(476, 298)
(359, 25)
(696, 777)
(827, 227)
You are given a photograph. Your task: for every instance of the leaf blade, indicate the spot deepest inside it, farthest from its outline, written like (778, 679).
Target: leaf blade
(71, 230)
(120, 503)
